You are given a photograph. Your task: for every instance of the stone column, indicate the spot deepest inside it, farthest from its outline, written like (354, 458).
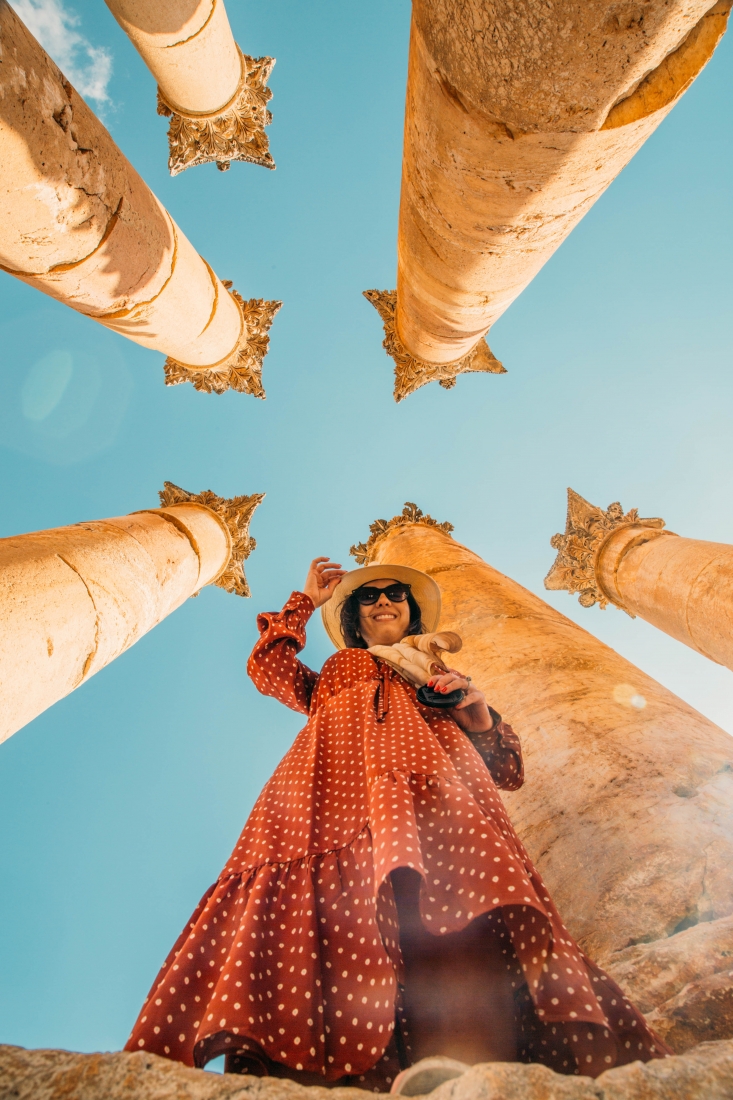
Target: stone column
(215, 95)
(518, 117)
(683, 586)
(74, 598)
(627, 808)
(78, 223)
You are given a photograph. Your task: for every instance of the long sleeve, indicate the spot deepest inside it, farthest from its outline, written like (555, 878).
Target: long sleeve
(273, 665)
(502, 754)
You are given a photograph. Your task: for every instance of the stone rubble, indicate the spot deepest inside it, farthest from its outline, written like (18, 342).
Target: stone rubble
(705, 1073)
(683, 984)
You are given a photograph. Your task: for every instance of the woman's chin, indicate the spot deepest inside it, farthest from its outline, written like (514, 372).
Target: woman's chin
(388, 637)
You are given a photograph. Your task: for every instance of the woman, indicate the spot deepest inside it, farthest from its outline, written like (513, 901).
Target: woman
(378, 907)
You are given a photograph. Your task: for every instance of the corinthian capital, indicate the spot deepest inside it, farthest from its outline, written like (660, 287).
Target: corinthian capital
(242, 368)
(363, 551)
(411, 372)
(587, 529)
(236, 512)
(235, 132)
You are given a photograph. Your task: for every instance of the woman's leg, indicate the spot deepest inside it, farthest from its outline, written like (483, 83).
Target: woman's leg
(458, 994)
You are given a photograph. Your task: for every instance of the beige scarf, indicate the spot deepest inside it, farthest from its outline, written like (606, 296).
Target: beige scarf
(419, 657)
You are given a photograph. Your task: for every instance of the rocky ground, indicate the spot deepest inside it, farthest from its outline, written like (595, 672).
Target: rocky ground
(703, 1073)
(683, 984)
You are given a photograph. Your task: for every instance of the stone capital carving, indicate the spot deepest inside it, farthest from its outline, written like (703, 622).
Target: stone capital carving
(410, 372)
(410, 514)
(586, 530)
(236, 512)
(235, 132)
(242, 370)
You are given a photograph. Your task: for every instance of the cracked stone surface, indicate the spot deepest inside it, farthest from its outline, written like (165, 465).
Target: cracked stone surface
(705, 1073)
(518, 116)
(683, 984)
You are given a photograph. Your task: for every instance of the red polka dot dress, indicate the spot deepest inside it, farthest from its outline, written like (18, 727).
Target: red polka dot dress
(294, 954)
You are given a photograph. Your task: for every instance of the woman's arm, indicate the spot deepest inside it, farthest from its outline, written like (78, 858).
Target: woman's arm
(496, 741)
(273, 665)
(502, 753)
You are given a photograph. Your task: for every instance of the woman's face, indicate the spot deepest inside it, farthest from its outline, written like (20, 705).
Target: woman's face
(384, 622)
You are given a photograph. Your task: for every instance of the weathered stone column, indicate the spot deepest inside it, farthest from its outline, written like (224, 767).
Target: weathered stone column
(518, 117)
(216, 96)
(627, 808)
(74, 598)
(78, 223)
(683, 586)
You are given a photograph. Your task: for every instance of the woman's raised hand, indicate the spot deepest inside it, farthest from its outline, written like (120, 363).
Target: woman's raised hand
(323, 576)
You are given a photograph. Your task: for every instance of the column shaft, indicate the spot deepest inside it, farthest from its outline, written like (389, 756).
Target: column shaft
(74, 598)
(516, 122)
(189, 49)
(627, 805)
(78, 223)
(215, 94)
(683, 586)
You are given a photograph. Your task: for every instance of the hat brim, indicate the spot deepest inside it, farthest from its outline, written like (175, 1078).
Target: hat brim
(423, 588)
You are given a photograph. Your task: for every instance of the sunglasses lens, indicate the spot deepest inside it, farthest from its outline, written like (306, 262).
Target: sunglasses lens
(396, 593)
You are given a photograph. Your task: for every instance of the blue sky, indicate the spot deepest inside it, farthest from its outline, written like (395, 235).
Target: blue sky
(119, 806)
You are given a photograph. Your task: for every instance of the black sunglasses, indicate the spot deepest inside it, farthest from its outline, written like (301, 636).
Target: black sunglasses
(395, 593)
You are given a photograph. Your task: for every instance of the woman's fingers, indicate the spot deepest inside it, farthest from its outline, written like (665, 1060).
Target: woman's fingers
(449, 681)
(472, 697)
(326, 573)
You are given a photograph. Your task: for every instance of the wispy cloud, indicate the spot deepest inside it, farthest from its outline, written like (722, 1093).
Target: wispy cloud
(88, 67)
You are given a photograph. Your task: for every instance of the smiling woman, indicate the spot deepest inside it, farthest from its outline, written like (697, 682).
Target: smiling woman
(378, 907)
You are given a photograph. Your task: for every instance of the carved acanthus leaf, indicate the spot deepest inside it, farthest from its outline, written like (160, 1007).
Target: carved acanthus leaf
(236, 133)
(586, 530)
(242, 370)
(236, 513)
(410, 372)
(410, 514)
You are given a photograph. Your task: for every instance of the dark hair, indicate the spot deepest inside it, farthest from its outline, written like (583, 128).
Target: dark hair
(350, 621)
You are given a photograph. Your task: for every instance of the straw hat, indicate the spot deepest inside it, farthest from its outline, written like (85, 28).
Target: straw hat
(423, 588)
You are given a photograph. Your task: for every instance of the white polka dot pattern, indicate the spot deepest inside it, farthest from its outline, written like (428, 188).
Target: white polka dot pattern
(296, 946)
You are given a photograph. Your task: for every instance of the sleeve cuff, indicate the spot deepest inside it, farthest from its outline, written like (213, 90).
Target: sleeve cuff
(300, 602)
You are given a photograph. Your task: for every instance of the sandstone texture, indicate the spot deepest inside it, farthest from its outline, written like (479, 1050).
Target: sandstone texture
(518, 117)
(72, 599)
(188, 48)
(79, 223)
(706, 1073)
(683, 984)
(682, 586)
